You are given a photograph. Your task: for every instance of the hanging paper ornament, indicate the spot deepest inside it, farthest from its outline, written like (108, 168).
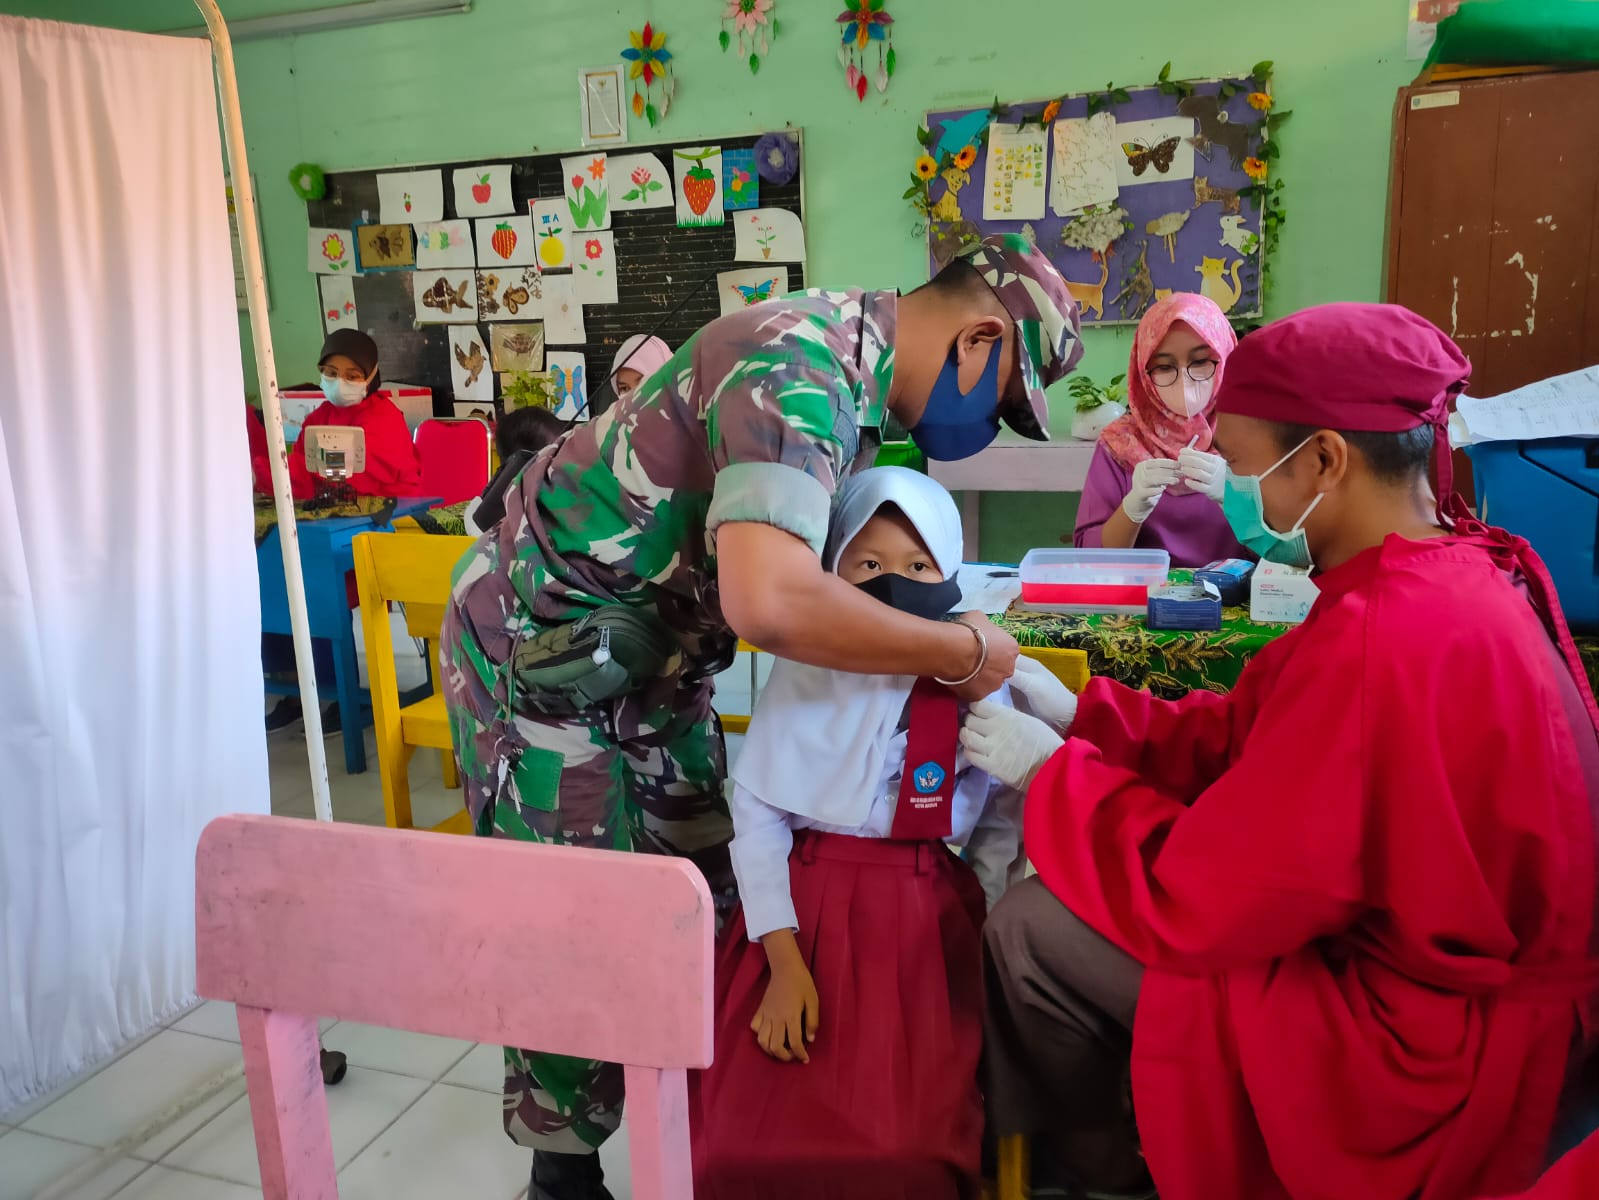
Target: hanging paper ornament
(652, 65)
(777, 157)
(308, 181)
(755, 26)
(866, 23)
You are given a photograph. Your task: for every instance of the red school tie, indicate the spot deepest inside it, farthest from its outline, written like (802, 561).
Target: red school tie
(927, 787)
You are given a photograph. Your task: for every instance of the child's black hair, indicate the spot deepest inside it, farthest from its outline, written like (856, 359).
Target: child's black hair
(529, 429)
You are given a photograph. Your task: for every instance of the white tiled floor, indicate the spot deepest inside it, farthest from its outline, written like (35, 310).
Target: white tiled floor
(415, 1117)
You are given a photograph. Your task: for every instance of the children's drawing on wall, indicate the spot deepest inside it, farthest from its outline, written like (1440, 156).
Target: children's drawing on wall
(699, 187)
(1154, 151)
(1214, 283)
(1083, 168)
(384, 248)
(563, 312)
(641, 182)
(518, 347)
(445, 297)
(549, 219)
(1014, 190)
(444, 244)
(513, 293)
(328, 252)
(588, 192)
(338, 302)
(741, 185)
(768, 235)
(739, 290)
(411, 196)
(505, 241)
(567, 369)
(1205, 193)
(1235, 237)
(594, 267)
(470, 378)
(1138, 289)
(1215, 129)
(483, 191)
(1167, 228)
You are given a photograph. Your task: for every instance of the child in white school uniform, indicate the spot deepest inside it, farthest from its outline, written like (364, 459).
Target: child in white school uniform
(848, 984)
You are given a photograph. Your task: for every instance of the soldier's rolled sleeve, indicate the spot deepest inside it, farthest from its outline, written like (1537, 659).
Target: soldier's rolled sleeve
(772, 494)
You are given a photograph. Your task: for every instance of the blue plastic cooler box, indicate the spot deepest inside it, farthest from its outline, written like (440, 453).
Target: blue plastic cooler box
(1548, 492)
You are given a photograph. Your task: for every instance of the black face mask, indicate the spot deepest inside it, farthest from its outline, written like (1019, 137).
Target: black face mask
(930, 601)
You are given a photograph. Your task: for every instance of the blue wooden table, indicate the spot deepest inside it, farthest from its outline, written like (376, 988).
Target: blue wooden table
(326, 558)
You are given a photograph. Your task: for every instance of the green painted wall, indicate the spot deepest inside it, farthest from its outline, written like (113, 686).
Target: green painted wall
(502, 80)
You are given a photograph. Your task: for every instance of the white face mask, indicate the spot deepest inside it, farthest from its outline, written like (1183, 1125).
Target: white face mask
(343, 392)
(1190, 399)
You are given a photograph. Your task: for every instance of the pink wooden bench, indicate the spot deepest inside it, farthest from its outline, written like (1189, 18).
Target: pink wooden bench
(582, 952)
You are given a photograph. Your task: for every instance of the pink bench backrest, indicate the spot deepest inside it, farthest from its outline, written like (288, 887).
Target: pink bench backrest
(594, 954)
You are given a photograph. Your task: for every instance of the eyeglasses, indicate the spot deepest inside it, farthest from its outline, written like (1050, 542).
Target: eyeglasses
(1165, 374)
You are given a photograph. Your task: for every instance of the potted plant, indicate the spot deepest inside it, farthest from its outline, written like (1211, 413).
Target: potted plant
(1097, 406)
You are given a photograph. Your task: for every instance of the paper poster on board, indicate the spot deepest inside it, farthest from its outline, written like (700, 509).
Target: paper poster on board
(639, 181)
(483, 191)
(768, 235)
(1154, 151)
(330, 251)
(505, 241)
(1014, 188)
(738, 290)
(1083, 166)
(406, 197)
(445, 297)
(338, 302)
(594, 267)
(470, 375)
(443, 244)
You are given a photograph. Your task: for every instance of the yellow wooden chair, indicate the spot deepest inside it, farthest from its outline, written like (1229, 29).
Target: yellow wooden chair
(414, 570)
(740, 722)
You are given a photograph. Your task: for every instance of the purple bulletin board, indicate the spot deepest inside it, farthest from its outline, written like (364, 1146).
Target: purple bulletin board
(1215, 249)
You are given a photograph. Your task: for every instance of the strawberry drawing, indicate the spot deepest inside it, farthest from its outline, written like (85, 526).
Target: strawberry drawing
(407, 201)
(699, 189)
(481, 191)
(504, 239)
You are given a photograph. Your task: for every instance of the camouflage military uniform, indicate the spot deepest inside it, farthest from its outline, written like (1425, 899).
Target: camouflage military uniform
(757, 418)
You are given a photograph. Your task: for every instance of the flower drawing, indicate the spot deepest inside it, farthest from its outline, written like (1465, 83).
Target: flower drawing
(644, 183)
(333, 248)
(592, 249)
(597, 168)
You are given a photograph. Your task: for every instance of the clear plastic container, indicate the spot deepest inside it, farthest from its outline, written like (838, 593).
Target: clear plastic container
(1094, 581)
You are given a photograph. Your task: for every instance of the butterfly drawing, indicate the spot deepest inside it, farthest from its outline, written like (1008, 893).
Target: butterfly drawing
(754, 294)
(568, 384)
(515, 298)
(1140, 154)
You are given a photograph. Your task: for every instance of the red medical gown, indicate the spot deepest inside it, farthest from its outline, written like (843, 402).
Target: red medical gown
(392, 468)
(1330, 874)
(1574, 1177)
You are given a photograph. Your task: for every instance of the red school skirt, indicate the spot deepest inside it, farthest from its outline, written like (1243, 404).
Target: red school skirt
(888, 1107)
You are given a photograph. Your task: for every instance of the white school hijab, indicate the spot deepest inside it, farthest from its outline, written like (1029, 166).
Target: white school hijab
(818, 738)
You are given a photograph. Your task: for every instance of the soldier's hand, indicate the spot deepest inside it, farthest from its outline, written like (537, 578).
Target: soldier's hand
(999, 666)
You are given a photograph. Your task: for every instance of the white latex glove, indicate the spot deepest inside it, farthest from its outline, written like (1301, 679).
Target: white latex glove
(1009, 745)
(1151, 478)
(1205, 473)
(1048, 698)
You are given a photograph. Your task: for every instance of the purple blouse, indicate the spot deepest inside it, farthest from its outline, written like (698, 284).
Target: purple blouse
(1190, 527)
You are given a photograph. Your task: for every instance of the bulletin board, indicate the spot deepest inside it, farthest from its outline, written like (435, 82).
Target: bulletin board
(658, 265)
(1154, 179)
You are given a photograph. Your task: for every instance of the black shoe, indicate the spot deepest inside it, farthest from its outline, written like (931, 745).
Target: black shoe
(286, 712)
(567, 1177)
(331, 720)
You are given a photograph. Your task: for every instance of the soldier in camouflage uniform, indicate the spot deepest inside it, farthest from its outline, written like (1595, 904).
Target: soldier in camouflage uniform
(735, 446)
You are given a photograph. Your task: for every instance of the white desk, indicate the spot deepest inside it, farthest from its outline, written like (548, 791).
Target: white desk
(1013, 464)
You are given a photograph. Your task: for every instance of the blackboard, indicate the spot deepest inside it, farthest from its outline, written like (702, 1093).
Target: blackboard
(1219, 230)
(658, 265)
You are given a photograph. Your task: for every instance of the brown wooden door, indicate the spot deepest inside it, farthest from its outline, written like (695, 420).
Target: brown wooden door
(1493, 230)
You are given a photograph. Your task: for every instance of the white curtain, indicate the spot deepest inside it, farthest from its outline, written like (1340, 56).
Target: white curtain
(130, 677)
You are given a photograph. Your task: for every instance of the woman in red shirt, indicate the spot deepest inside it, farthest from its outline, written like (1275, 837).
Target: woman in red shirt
(353, 387)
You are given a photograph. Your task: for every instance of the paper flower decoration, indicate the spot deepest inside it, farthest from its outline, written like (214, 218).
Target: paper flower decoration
(652, 66)
(1259, 101)
(777, 158)
(1255, 168)
(966, 157)
(866, 22)
(926, 168)
(753, 24)
(308, 181)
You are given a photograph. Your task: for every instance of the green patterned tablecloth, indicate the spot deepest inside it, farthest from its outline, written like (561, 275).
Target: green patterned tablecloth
(266, 514)
(1170, 663)
(447, 519)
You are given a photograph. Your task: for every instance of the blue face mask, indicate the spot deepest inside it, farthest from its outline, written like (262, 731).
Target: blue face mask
(957, 425)
(1246, 513)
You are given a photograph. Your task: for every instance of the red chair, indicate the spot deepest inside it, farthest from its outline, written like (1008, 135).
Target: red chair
(454, 457)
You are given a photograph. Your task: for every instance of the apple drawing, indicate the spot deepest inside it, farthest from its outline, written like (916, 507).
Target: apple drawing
(481, 191)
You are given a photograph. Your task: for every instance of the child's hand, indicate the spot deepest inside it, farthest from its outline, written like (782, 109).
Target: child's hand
(787, 1017)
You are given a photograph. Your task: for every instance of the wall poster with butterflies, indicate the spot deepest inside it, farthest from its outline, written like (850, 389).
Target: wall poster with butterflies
(615, 273)
(1132, 194)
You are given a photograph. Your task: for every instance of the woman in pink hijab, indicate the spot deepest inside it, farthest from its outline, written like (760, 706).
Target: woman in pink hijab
(636, 360)
(1154, 483)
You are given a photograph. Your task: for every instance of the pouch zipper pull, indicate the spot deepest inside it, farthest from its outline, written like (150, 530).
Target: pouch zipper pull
(602, 653)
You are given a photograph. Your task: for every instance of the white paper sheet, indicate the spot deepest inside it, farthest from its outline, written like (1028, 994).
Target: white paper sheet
(588, 191)
(483, 191)
(594, 267)
(1014, 187)
(1083, 168)
(738, 290)
(330, 251)
(505, 241)
(699, 186)
(510, 294)
(445, 297)
(444, 244)
(563, 312)
(1560, 406)
(988, 587)
(406, 197)
(518, 346)
(470, 374)
(569, 372)
(639, 181)
(1152, 142)
(338, 302)
(551, 231)
(768, 235)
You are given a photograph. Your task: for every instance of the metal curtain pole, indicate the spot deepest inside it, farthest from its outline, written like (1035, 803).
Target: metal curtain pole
(267, 375)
